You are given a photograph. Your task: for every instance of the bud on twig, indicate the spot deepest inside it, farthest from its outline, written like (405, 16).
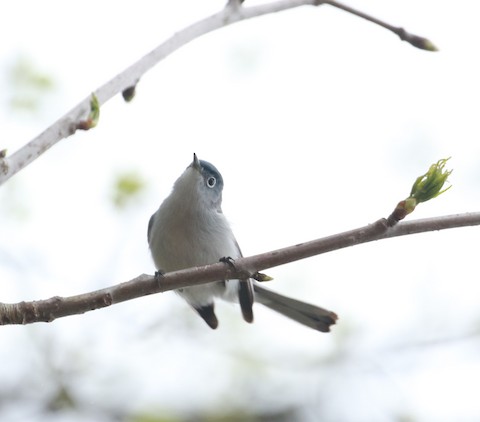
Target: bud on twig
(426, 187)
(262, 277)
(129, 93)
(415, 40)
(92, 120)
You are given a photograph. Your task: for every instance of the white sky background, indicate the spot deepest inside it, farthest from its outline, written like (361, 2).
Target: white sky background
(319, 123)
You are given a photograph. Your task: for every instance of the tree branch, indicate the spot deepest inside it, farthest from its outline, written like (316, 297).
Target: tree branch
(57, 307)
(415, 40)
(75, 118)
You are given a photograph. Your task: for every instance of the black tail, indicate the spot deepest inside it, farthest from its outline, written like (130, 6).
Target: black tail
(245, 297)
(208, 314)
(310, 315)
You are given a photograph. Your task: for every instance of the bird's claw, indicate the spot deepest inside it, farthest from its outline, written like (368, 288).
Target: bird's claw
(158, 275)
(229, 261)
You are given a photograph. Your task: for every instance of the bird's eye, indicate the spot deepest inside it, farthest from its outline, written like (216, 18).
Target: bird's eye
(211, 181)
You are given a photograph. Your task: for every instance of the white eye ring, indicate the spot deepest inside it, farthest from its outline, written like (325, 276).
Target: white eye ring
(211, 182)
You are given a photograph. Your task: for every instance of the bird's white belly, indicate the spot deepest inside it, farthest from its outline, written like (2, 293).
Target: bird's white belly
(177, 248)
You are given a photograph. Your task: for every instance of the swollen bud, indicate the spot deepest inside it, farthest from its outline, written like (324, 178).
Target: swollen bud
(430, 185)
(92, 119)
(422, 43)
(426, 187)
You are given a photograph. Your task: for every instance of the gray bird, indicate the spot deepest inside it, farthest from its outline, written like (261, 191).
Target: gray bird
(189, 230)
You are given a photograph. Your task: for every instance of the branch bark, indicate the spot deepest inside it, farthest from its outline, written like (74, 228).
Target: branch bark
(71, 122)
(56, 307)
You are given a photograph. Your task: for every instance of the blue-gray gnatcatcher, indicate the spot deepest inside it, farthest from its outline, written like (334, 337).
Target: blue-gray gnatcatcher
(189, 230)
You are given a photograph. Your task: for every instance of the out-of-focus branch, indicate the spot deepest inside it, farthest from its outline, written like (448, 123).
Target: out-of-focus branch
(77, 118)
(415, 40)
(56, 307)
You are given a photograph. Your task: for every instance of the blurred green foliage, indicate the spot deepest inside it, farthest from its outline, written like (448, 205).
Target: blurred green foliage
(127, 188)
(286, 416)
(28, 85)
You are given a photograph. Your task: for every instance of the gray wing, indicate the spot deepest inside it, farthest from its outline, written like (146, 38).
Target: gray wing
(150, 225)
(245, 294)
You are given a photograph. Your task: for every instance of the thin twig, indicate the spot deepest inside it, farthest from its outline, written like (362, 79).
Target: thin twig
(56, 307)
(415, 40)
